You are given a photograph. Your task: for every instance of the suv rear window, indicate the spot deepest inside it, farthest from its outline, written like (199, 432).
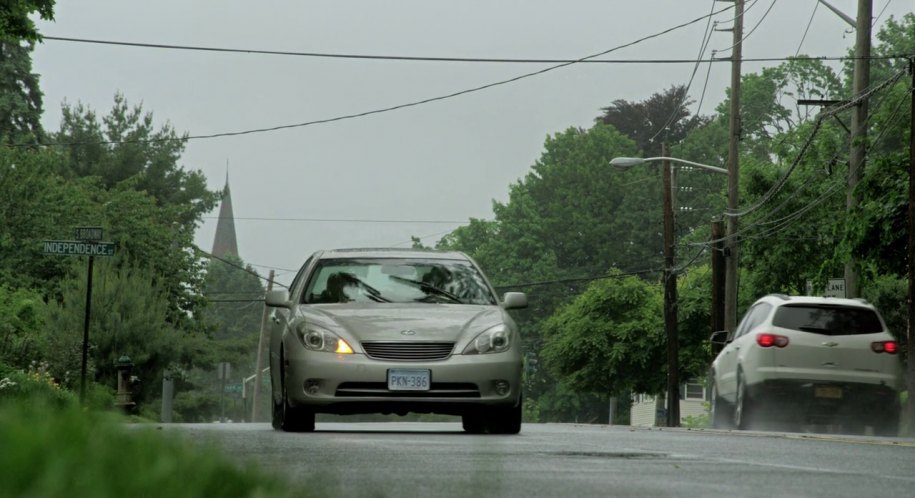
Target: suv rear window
(828, 320)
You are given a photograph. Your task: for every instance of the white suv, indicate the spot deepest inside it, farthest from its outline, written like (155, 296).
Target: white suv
(795, 360)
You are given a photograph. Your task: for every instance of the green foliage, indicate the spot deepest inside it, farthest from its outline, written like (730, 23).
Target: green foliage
(20, 95)
(128, 318)
(15, 21)
(21, 321)
(611, 338)
(35, 384)
(888, 294)
(698, 421)
(663, 117)
(126, 147)
(53, 452)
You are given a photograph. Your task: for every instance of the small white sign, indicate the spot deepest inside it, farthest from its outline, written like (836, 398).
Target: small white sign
(835, 288)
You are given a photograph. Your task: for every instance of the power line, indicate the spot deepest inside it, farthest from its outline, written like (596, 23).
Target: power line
(706, 37)
(817, 123)
(816, 4)
(232, 264)
(400, 106)
(412, 58)
(340, 220)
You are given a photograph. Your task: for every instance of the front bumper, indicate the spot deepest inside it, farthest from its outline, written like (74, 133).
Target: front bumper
(354, 383)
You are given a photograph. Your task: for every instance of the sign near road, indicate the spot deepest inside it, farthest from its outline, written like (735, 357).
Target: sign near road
(78, 248)
(89, 233)
(835, 288)
(232, 388)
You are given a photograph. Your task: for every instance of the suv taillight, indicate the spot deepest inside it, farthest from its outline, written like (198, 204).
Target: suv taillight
(767, 340)
(889, 347)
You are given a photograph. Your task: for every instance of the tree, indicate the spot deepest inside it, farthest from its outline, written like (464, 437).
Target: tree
(20, 96)
(125, 147)
(609, 339)
(128, 317)
(15, 23)
(663, 117)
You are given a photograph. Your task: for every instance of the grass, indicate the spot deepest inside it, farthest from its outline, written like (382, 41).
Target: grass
(50, 451)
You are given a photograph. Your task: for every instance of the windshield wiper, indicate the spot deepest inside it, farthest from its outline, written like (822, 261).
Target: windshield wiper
(429, 287)
(373, 293)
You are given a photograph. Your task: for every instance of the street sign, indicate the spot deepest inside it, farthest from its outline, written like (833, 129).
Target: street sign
(78, 248)
(233, 388)
(835, 288)
(89, 233)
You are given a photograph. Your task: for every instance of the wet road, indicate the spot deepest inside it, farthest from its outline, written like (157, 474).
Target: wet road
(439, 460)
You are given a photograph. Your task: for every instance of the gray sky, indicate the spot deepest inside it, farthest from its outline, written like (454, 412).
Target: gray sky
(444, 161)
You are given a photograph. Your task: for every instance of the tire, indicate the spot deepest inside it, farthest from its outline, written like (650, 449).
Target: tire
(719, 418)
(505, 420)
(473, 423)
(288, 418)
(743, 407)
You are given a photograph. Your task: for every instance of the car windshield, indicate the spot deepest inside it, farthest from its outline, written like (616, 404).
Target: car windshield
(828, 320)
(385, 280)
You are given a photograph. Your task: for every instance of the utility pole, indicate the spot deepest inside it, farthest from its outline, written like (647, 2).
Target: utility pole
(856, 155)
(670, 299)
(718, 283)
(910, 331)
(260, 354)
(730, 283)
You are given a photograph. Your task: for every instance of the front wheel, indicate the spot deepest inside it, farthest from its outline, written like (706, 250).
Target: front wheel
(288, 418)
(506, 420)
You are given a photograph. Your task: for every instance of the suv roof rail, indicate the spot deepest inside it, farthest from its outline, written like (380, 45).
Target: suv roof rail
(785, 297)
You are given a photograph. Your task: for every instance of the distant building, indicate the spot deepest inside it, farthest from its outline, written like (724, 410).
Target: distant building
(693, 398)
(224, 242)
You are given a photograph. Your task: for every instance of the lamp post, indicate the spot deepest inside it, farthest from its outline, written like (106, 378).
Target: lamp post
(670, 274)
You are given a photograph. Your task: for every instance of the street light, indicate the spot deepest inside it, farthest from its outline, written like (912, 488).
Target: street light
(670, 277)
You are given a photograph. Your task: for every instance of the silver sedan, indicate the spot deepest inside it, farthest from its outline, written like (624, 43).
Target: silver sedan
(394, 331)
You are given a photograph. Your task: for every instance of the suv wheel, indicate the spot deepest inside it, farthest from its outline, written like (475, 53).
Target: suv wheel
(719, 410)
(743, 410)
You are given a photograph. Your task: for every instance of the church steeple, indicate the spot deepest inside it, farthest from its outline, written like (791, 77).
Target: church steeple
(225, 242)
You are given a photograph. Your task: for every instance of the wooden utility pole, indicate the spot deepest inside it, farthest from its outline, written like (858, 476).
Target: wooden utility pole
(260, 354)
(910, 330)
(670, 298)
(858, 150)
(730, 284)
(718, 283)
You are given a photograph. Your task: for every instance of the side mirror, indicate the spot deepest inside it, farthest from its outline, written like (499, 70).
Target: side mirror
(278, 299)
(514, 300)
(719, 340)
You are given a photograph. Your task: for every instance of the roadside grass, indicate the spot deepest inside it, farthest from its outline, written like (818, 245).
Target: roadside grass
(51, 447)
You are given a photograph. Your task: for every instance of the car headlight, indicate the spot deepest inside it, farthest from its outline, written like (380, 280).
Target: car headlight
(492, 340)
(318, 339)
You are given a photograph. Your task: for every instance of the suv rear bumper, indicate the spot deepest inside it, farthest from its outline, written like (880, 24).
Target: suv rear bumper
(824, 400)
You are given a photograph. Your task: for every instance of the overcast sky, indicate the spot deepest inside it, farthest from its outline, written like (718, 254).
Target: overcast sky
(444, 161)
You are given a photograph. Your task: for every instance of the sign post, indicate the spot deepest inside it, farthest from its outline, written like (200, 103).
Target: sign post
(87, 243)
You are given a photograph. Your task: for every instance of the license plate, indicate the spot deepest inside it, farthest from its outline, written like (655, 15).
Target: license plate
(400, 379)
(830, 392)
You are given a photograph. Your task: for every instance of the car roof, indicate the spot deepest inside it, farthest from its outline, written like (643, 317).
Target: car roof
(394, 253)
(782, 299)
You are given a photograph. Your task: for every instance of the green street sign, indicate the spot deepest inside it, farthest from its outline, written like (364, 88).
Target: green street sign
(78, 248)
(233, 388)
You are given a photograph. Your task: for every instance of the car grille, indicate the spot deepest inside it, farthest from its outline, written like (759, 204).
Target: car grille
(380, 390)
(408, 351)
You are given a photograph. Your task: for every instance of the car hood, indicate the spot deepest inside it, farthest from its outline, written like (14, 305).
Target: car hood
(405, 322)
